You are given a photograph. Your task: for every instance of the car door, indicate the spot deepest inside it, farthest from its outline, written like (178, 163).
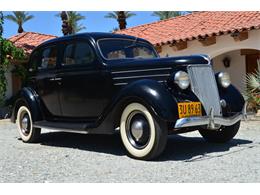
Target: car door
(46, 84)
(83, 82)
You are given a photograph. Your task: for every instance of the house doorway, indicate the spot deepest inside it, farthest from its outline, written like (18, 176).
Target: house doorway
(252, 60)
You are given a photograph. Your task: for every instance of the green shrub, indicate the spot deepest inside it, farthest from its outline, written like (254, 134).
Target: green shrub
(252, 92)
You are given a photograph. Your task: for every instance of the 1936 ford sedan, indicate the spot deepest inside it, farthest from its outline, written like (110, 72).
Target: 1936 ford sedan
(101, 83)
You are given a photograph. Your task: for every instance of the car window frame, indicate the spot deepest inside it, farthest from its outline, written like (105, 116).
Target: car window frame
(41, 52)
(128, 39)
(63, 46)
(30, 67)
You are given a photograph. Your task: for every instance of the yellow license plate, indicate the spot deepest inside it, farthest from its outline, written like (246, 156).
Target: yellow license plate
(187, 109)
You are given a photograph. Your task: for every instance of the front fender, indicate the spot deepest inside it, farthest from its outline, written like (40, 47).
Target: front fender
(28, 98)
(153, 95)
(234, 99)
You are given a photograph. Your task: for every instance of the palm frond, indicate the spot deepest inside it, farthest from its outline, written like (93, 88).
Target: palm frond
(115, 14)
(79, 28)
(129, 14)
(11, 18)
(167, 14)
(112, 15)
(73, 20)
(19, 17)
(252, 92)
(28, 18)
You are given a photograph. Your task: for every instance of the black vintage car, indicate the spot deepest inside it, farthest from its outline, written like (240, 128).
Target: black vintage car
(102, 83)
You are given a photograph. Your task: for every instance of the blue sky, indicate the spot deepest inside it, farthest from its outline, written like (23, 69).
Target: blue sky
(47, 23)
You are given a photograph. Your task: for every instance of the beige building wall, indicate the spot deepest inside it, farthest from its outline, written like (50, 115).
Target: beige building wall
(237, 69)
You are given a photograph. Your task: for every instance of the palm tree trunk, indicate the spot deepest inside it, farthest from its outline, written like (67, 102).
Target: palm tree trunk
(121, 20)
(66, 28)
(20, 29)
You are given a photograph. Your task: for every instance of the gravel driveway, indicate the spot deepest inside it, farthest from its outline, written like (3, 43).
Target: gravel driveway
(71, 157)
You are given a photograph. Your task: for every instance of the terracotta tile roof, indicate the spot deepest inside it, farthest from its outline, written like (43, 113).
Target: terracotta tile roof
(195, 26)
(29, 40)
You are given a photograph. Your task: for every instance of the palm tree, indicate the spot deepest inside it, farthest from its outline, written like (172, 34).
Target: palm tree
(70, 21)
(168, 14)
(19, 17)
(121, 17)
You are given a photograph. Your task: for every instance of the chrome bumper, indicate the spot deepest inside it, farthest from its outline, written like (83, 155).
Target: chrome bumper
(212, 122)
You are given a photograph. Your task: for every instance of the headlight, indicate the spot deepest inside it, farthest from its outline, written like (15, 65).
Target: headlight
(181, 78)
(224, 79)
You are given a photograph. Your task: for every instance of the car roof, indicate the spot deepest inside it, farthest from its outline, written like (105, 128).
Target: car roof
(92, 35)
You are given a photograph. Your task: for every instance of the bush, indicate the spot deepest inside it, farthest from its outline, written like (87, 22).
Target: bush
(8, 53)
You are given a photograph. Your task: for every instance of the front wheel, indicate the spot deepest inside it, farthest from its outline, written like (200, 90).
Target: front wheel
(143, 136)
(28, 133)
(224, 134)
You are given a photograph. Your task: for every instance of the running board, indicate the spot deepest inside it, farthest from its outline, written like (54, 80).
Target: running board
(65, 126)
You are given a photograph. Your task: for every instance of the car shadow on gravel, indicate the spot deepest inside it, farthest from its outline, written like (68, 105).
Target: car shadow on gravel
(189, 149)
(178, 148)
(110, 144)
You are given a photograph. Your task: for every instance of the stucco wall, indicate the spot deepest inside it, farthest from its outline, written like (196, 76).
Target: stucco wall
(237, 69)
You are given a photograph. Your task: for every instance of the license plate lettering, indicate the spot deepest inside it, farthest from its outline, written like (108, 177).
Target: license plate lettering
(187, 109)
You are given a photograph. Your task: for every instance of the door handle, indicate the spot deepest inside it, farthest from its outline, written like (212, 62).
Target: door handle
(56, 79)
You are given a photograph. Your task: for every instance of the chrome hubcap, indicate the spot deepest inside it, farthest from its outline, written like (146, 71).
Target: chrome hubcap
(138, 130)
(25, 124)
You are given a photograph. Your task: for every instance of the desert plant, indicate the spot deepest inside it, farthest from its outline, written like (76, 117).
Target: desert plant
(252, 92)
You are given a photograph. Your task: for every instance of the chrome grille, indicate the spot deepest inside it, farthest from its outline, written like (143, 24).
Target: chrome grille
(204, 86)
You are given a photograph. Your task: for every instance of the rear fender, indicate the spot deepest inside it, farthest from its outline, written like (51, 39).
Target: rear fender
(27, 97)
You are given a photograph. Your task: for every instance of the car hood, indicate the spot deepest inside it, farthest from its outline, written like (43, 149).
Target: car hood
(173, 62)
(128, 70)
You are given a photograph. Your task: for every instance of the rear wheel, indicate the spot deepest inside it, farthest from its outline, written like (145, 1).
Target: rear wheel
(27, 132)
(224, 134)
(143, 136)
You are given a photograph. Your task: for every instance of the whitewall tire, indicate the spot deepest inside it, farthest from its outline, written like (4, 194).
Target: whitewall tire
(27, 132)
(143, 136)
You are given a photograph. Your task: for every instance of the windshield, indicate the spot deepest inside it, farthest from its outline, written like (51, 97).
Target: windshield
(124, 48)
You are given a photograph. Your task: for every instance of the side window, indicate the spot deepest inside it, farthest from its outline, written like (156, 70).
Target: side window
(68, 57)
(48, 58)
(34, 61)
(78, 53)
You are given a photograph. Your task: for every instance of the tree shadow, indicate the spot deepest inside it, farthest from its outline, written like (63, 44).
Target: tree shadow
(178, 148)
